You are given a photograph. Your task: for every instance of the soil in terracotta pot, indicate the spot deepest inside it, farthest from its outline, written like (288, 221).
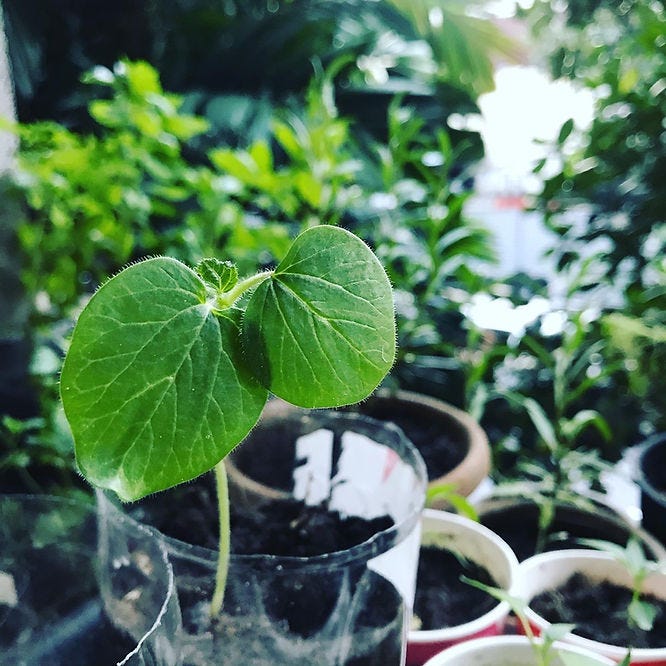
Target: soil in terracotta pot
(517, 525)
(441, 450)
(444, 600)
(599, 611)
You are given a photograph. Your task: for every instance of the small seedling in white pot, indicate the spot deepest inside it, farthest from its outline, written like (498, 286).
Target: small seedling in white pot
(640, 612)
(544, 647)
(169, 368)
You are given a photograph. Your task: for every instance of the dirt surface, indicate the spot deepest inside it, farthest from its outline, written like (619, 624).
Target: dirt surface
(599, 611)
(442, 598)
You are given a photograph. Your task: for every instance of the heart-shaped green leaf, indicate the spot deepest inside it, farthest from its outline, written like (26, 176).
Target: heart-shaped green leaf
(321, 331)
(153, 386)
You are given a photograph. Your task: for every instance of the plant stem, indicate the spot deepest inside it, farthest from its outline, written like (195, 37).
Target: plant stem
(228, 298)
(224, 540)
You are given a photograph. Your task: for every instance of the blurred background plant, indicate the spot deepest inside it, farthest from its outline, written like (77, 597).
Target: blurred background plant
(602, 192)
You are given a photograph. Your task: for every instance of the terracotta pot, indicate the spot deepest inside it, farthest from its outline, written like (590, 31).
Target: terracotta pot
(509, 651)
(515, 518)
(456, 425)
(479, 545)
(549, 570)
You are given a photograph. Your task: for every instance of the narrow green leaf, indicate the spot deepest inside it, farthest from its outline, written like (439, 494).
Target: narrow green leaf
(153, 384)
(581, 420)
(322, 330)
(538, 417)
(565, 131)
(642, 613)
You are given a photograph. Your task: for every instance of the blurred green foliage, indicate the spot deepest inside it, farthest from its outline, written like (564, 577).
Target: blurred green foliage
(611, 172)
(603, 191)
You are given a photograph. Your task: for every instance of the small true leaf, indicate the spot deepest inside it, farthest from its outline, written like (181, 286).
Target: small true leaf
(153, 385)
(321, 330)
(220, 275)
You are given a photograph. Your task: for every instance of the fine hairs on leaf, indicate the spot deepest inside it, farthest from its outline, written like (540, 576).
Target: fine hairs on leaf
(169, 368)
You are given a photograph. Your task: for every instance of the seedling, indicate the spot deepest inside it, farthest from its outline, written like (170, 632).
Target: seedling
(169, 368)
(542, 646)
(543, 649)
(447, 492)
(640, 613)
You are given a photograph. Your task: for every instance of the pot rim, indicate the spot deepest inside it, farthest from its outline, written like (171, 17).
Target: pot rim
(571, 561)
(466, 476)
(444, 519)
(506, 641)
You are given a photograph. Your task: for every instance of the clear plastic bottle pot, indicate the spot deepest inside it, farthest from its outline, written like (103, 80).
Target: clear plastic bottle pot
(82, 584)
(348, 607)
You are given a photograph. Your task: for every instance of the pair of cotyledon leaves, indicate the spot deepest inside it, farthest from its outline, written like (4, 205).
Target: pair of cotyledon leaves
(159, 384)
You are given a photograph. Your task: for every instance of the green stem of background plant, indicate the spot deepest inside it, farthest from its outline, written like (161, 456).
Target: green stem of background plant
(224, 541)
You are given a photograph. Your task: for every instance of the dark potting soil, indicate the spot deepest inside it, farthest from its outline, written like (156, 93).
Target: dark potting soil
(518, 526)
(297, 607)
(441, 450)
(286, 527)
(292, 528)
(444, 600)
(274, 467)
(599, 611)
(307, 628)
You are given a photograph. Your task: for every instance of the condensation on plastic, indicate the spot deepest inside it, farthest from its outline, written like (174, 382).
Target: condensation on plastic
(356, 602)
(83, 584)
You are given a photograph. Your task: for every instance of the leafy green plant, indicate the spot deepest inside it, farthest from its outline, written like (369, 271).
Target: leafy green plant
(96, 201)
(639, 344)
(543, 649)
(169, 368)
(602, 188)
(415, 220)
(573, 370)
(307, 171)
(447, 492)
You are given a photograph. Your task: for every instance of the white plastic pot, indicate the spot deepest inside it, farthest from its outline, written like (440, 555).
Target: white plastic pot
(482, 546)
(548, 570)
(512, 651)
